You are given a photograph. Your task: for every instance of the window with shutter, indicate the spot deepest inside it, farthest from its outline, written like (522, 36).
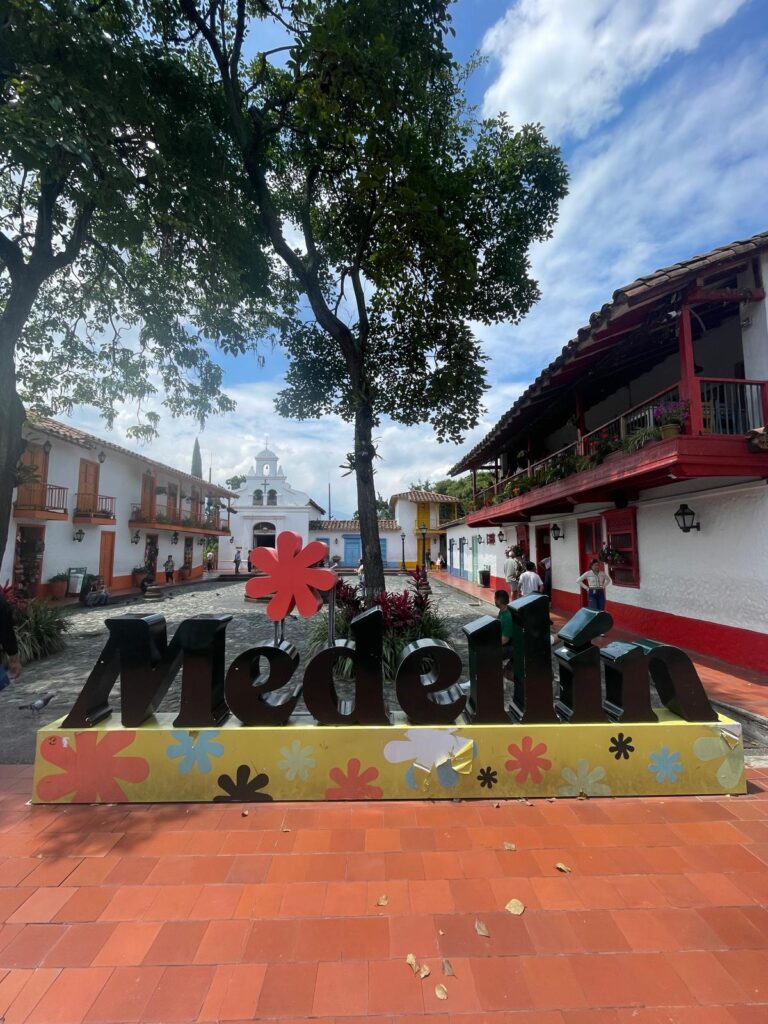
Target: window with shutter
(621, 530)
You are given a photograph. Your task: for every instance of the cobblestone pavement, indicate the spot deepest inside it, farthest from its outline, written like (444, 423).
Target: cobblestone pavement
(64, 673)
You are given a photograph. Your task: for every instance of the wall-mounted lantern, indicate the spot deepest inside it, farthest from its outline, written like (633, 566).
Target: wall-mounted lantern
(78, 536)
(685, 519)
(557, 533)
(501, 536)
(102, 457)
(136, 537)
(47, 447)
(174, 538)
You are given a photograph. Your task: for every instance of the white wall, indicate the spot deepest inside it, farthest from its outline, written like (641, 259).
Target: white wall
(755, 337)
(719, 574)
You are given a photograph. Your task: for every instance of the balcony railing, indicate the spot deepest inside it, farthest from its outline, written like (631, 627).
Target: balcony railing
(172, 515)
(42, 498)
(97, 506)
(729, 407)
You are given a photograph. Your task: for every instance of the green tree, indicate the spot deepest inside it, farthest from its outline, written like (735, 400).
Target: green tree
(197, 460)
(234, 483)
(113, 223)
(383, 508)
(461, 489)
(413, 219)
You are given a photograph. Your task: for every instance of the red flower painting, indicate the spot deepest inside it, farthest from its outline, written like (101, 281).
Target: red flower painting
(292, 575)
(355, 785)
(528, 761)
(90, 767)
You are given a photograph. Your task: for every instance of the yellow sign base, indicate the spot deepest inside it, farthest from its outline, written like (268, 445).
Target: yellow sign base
(237, 763)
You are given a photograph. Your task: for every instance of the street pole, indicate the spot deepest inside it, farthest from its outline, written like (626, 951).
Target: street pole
(424, 547)
(402, 559)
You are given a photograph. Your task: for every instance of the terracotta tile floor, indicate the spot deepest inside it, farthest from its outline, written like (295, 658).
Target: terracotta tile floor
(731, 684)
(198, 913)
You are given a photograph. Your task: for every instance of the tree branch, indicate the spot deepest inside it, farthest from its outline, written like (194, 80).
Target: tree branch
(77, 237)
(10, 254)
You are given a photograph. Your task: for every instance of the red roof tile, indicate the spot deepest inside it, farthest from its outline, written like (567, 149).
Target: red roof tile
(350, 525)
(426, 496)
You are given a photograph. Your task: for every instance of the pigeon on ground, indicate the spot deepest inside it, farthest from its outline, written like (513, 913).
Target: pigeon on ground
(38, 704)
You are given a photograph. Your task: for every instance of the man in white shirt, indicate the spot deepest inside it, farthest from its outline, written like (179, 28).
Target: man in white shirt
(594, 581)
(530, 581)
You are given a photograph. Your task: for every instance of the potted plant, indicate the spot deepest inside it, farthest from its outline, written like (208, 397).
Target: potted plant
(610, 555)
(138, 573)
(670, 416)
(336, 559)
(57, 585)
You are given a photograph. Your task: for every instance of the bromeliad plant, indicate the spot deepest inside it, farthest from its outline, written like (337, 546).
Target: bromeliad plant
(610, 555)
(39, 627)
(408, 616)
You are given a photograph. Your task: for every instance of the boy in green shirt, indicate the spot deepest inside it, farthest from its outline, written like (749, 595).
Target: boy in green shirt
(511, 652)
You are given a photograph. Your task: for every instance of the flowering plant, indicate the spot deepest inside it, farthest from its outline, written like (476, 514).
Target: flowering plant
(610, 555)
(671, 412)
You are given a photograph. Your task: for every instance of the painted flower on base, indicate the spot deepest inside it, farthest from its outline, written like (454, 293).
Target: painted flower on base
(621, 746)
(726, 747)
(297, 760)
(487, 777)
(195, 750)
(665, 765)
(243, 789)
(90, 767)
(291, 575)
(355, 785)
(584, 781)
(528, 761)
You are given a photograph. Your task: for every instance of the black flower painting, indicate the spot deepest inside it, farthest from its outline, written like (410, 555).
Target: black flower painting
(487, 777)
(243, 789)
(621, 746)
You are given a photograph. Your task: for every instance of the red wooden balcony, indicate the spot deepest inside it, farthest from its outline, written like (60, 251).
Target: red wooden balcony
(625, 453)
(41, 501)
(179, 519)
(94, 508)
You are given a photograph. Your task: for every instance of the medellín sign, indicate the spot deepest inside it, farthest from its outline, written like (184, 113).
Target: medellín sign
(449, 737)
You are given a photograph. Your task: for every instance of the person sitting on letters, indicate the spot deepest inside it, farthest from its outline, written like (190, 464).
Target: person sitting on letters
(501, 600)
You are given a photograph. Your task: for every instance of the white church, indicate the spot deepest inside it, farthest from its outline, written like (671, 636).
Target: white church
(266, 505)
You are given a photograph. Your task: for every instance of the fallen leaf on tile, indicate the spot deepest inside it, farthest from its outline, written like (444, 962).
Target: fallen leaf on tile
(243, 814)
(441, 991)
(440, 931)
(481, 929)
(529, 803)
(424, 971)
(382, 901)
(448, 969)
(411, 961)
(551, 799)
(515, 907)
(563, 867)
(509, 846)
(285, 830)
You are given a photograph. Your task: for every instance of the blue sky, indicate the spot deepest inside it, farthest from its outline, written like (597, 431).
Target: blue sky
(661, 110)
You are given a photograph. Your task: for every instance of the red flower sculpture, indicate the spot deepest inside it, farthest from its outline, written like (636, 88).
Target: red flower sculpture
(527, 760)
(91, 767)
(291, 575)
(354, 785)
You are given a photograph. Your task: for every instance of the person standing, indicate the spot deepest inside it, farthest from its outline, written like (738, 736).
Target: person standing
(594, 581)
(9, 645)
(209, 560)
(168, 566)
(512, 569)
(530, 581)
(238, 560)
(546, 565)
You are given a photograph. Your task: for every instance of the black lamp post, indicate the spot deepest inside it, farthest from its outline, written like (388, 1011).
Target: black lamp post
(402, 557)
(423, 547)
(684, 517)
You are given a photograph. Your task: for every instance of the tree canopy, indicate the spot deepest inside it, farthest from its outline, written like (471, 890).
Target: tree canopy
(400, 217)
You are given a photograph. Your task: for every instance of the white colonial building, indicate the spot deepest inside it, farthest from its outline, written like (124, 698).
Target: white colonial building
(589, 462)
(85, 505)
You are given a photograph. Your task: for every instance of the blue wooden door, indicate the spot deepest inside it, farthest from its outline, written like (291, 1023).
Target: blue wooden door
(383, 549)
(352, 550)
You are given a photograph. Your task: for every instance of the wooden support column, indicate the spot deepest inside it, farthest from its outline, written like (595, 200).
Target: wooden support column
(690, 389)
(474, 484)
(580, 425)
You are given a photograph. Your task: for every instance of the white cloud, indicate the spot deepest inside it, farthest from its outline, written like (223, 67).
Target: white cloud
(565, 63)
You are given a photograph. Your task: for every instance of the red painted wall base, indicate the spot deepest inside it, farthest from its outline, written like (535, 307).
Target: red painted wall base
(744, 647)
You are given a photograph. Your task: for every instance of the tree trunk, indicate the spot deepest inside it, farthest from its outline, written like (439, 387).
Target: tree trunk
(366, 500)
(12, 416)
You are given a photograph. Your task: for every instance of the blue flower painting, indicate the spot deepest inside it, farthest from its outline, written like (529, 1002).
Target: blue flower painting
(665, 765)
(195, 750)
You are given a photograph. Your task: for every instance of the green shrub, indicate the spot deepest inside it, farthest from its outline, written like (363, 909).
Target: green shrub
(39, 629)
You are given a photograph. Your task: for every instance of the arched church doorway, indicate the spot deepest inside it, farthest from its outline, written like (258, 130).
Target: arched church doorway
(264, 535)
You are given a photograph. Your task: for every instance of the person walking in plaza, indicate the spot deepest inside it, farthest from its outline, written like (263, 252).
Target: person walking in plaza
(512, 570)
(238, 560)
(9, 646)
(530, 581)
(169, 567)
(594, 581)
(209, 561)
